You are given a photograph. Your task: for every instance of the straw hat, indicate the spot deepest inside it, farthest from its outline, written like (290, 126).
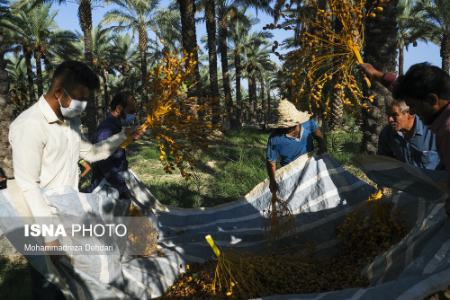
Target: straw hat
(288, 115)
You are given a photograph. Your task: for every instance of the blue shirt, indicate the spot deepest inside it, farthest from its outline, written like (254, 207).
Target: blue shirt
(111, 167)
(287, 148)
(420, 150)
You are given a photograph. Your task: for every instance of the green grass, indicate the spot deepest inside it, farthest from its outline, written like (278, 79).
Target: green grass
(225, 172)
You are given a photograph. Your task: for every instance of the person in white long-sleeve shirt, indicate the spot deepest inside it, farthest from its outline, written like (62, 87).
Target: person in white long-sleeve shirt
(47, 142)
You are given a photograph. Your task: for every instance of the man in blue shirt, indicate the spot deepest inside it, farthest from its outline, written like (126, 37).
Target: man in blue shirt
(293, 136)
(123, 112)
(407, 139)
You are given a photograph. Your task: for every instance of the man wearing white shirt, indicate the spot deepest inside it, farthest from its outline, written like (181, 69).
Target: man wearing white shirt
(46, 139)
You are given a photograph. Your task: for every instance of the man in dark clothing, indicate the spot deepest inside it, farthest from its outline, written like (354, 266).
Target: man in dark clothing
(123, 112)
(426, 90)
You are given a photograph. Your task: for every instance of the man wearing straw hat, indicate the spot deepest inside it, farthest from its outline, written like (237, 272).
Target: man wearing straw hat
(292, 137)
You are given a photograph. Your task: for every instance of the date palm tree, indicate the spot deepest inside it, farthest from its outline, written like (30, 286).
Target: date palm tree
(210, 17)
(102, 47)
(125, 59)
(187, 12)
(241, 42)
(17, 73)
(379, 50)
(410, 30)
(227, 12)
(25, 37)
(168, 29)
(123, 54)
(256, 62)
(6, 105)
(137, 15)
(39, 36)
(433, 17)
(85, 20)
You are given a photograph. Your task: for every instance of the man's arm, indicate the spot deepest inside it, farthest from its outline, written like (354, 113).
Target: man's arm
(27, 142)
(320, 141)
(104, 149)
(101, 150)
(86, 166)
(271, 168)
(387, 79)
(271, 165)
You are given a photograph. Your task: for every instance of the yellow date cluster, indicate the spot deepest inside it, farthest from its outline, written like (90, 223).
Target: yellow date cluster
(329, 51)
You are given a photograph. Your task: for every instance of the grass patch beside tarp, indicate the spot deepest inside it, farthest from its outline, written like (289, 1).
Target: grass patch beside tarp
(226, 171)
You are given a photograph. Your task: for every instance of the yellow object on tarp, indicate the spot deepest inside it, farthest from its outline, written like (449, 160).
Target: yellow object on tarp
(212, 244)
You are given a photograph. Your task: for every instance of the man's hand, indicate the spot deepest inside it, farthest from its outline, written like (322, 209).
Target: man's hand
(273, 186)
(371, 72)
(87, 168)
(322, 149)
(135, 133)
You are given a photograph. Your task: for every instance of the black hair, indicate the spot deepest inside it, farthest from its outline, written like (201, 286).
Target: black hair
(121, 98)
(423, 79)
(72, 74)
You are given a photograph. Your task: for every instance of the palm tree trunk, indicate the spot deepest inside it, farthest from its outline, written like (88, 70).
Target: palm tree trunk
(238, 66)
(6, 107)
(38, 60)
(143, 42)
(337, 109)
(85, 18)
(445, 52)
(401, 60)
(187, 11)
(105, 92)
(211, 29)
(263, 101)
(31, 94)
(223, 35)
(252, 95)
(48, 68)
(380, 50)
(269, 104)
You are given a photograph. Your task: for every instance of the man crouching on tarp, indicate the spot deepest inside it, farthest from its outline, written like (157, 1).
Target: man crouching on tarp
(47, 142)
(292, 137)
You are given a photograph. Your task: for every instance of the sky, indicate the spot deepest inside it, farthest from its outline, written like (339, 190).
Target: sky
(67, 18)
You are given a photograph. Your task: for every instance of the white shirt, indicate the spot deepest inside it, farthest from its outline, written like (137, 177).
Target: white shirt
(46, 152)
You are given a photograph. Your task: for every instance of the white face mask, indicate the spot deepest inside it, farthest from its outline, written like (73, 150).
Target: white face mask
(76, 107)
